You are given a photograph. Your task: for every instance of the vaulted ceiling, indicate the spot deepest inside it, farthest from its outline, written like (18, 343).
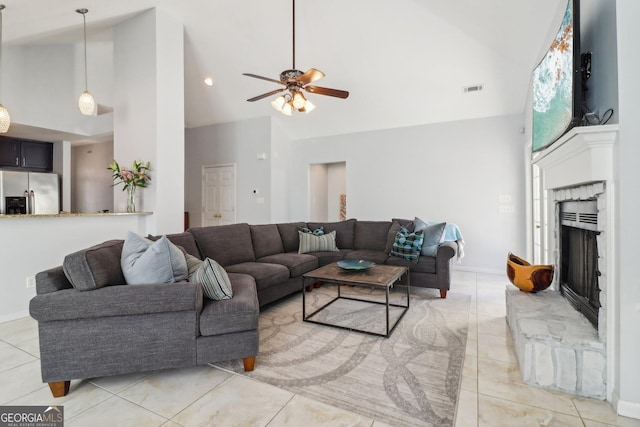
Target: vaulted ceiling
(404, 62)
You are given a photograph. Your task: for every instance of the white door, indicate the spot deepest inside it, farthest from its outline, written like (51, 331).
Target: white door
(218, 195)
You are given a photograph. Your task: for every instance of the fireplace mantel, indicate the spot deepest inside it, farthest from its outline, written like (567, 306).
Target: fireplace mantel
(583, 155)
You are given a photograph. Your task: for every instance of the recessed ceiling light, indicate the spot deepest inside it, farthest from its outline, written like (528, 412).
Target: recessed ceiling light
(208, 81)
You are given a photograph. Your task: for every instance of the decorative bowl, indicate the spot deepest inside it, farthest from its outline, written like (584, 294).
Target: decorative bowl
(355, 264)
(527, 277)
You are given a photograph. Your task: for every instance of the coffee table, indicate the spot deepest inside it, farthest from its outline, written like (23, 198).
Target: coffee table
(379, 276)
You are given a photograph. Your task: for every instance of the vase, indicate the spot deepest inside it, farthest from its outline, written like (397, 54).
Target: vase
(131, 198)
(527, 277)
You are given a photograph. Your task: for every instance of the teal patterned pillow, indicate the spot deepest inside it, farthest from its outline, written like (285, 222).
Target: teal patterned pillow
(407, 245)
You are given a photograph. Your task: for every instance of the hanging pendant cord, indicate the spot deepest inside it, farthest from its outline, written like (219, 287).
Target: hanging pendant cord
(294, 34)
(1, 8)
(84, 23)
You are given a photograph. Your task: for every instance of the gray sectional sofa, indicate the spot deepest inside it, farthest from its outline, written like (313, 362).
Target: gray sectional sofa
(92, 324)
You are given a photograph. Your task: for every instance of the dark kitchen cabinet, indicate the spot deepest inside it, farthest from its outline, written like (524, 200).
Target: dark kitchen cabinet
(25, 154)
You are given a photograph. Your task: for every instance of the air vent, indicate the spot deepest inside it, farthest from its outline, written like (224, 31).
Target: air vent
(568, 216)
(580, 214)
(588, 218)
(476, 88)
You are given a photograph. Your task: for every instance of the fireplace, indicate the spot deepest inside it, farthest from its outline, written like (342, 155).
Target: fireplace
(579, 273)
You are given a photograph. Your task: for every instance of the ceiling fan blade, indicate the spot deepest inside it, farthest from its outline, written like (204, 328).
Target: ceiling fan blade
(255, 76)
(264, 95)
(310, 76)
(326, 91)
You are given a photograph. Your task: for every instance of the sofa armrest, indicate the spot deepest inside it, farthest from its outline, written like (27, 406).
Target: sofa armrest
(446, 250)
(120, 300)
(52, 280)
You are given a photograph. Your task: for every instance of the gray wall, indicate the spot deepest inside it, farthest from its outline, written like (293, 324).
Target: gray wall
(91, 181)
(227, 143)
(598, 35)
(451, 172)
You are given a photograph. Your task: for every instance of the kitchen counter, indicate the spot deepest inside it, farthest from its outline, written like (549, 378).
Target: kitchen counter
(77, 214)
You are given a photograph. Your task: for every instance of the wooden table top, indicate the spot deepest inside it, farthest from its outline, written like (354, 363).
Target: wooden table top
(379, 275)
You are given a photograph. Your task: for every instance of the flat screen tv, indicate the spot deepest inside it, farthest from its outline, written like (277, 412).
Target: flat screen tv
(557, 85)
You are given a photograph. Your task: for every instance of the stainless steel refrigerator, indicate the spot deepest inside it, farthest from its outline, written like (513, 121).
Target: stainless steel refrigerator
(29, 193)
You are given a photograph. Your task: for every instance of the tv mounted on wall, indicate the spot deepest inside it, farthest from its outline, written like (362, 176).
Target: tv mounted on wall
(557, 83)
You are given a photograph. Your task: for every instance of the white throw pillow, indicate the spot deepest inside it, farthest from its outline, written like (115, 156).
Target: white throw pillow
(312, 243)
(146, 262)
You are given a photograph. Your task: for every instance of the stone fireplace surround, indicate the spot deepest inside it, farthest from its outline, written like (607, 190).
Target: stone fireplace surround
(557, 348)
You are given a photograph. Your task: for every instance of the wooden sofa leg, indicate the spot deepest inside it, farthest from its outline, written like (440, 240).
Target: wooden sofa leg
(59, 388)
(443, 293)
(248, 363)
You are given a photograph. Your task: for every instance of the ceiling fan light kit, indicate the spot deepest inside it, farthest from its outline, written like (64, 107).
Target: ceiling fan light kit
(294, 82)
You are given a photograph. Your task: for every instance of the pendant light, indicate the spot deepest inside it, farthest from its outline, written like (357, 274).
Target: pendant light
(86, 102)
(5, 119)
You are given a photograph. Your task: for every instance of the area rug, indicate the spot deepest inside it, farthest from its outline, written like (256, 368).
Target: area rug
(409, 379)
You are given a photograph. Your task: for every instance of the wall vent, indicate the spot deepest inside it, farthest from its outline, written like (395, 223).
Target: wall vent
(475, 88)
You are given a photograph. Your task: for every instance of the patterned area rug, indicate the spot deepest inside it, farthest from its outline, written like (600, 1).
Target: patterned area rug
(409, 379)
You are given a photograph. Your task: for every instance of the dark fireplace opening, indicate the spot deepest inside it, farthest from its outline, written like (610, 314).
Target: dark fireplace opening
(579, 257)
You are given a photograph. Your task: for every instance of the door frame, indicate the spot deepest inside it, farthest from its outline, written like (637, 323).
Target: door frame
(203, 188)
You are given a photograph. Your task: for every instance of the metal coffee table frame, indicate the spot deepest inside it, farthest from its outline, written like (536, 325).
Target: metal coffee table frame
(373, 277)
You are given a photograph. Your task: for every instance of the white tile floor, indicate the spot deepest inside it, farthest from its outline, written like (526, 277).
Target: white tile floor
(491, 394)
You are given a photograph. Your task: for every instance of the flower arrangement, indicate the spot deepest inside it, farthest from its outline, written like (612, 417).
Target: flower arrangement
(137, 176)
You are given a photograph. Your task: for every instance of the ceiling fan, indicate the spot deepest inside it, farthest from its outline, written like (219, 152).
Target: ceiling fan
(294, 82)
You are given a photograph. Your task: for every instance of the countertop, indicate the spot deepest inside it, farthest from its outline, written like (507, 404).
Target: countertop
(77, 214)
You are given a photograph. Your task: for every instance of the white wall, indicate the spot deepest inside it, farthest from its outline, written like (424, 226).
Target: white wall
(91, 189)
(280, 162)
(239, 143)
(451, 172)
(318, 193)
(37, 244)
(336, 185)
(149, 113)
(628, 375)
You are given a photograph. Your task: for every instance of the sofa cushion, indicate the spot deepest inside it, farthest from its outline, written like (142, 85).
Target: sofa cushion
(433, 236)
(146, 262)
(379, 257)
(298, 264)
(95, 267)
(227, 244)
(289, 235)
(265, 275)
(237, 314)
(425, 264)
(371, 235)
(325, 258)
(407, 245)
(345, 231)
(266, 240)
(213, 279)
(184, 240)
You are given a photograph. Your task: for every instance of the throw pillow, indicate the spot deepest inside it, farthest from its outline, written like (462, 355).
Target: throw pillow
(193, 263)
(313, 243)
(407, 245)
(317, 232)
(146, 262)
(213, 279)
(391, 236)
(433, 236)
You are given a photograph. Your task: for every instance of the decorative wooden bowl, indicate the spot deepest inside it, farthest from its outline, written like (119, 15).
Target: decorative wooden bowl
(527, 277)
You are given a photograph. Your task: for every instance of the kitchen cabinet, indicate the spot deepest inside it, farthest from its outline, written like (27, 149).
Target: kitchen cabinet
(26, 154)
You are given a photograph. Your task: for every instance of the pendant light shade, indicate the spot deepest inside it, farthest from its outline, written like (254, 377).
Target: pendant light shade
(86, 103)
(5, 119)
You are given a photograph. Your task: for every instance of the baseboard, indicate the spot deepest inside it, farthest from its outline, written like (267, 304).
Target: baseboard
(478, 270)
(628, 409)
(14, 316)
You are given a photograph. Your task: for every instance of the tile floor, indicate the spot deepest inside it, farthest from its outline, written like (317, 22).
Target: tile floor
(491, 394)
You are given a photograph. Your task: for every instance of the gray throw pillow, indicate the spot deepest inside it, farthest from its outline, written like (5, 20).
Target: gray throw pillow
(433, 235)
(312, 243)
(214, 280)
(147, 262)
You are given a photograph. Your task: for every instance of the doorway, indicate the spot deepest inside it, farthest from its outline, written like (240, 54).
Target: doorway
(218, 195)
(327, 191)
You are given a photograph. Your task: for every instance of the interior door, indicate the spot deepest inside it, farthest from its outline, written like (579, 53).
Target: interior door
(218, 195)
